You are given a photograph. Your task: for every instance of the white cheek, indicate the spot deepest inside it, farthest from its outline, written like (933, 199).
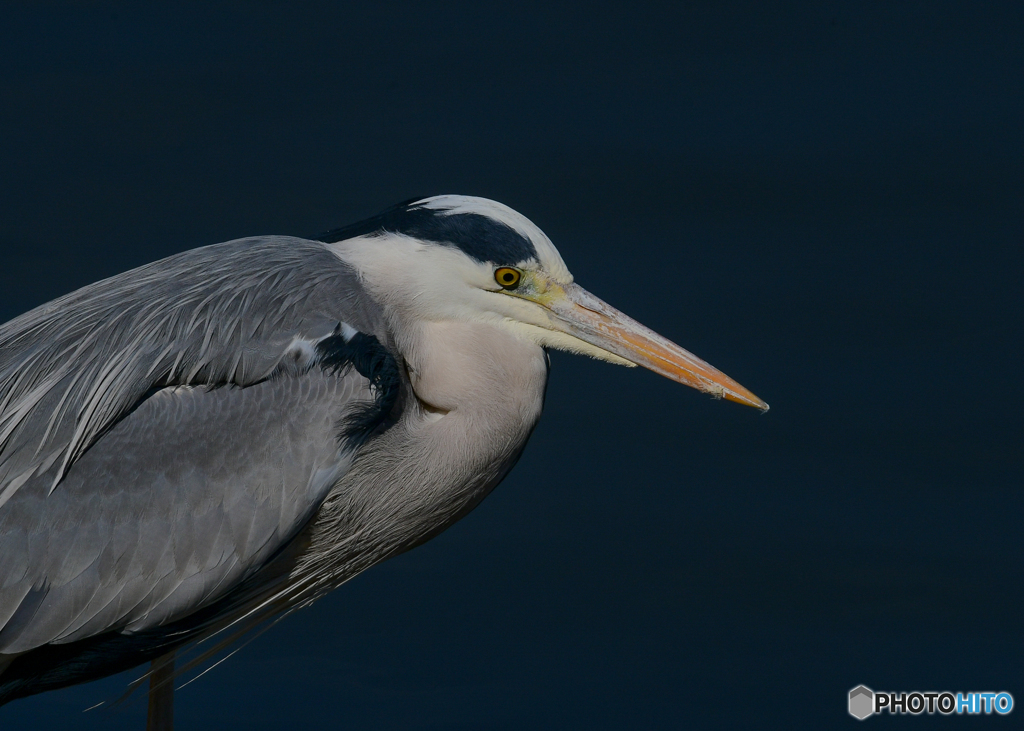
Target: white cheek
(427, 282)
(563, 341)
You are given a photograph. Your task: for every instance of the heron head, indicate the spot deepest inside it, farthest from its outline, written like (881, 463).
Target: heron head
(463, 258)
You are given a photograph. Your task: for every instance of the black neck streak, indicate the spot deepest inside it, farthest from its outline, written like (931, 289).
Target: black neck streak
(375, 363)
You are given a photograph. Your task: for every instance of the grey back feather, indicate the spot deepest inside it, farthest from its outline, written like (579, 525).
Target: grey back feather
(220, 315)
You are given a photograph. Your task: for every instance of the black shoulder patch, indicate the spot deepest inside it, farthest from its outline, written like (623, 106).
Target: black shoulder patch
(478, 236)
(374, 362)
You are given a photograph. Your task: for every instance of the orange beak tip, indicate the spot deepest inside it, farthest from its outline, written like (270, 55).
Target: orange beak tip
(746, 398)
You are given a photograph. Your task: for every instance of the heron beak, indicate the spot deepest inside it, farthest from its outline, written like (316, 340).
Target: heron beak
(586, 317)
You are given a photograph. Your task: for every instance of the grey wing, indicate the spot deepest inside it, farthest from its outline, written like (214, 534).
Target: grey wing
(223, 314)
(174, 506)
(146, 486)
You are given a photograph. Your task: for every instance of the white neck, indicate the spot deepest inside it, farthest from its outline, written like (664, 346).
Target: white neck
(479, 391)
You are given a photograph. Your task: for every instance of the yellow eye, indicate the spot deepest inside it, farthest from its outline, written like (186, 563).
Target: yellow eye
(507, 277)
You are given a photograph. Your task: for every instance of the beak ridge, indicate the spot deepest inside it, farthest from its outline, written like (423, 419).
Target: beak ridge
(586, 317)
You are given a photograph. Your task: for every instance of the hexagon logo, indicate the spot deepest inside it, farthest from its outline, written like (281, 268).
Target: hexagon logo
(862, 702)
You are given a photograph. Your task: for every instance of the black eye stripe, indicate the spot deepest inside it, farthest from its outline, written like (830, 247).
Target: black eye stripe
(483, 238)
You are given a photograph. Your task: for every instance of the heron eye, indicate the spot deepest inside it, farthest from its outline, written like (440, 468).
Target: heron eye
(508, 277)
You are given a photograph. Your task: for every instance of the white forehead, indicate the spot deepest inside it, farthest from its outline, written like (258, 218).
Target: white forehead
(550, 259)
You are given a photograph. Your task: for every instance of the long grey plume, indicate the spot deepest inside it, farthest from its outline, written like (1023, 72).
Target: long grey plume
(221, 315)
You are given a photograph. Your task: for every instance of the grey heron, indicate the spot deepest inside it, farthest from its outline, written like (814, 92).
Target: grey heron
(198, 446)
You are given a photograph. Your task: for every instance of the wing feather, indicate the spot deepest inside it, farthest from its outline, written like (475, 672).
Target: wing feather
(163, 434)
(219, 315)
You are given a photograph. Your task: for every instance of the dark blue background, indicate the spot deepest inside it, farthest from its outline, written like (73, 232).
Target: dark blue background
(825, 200)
